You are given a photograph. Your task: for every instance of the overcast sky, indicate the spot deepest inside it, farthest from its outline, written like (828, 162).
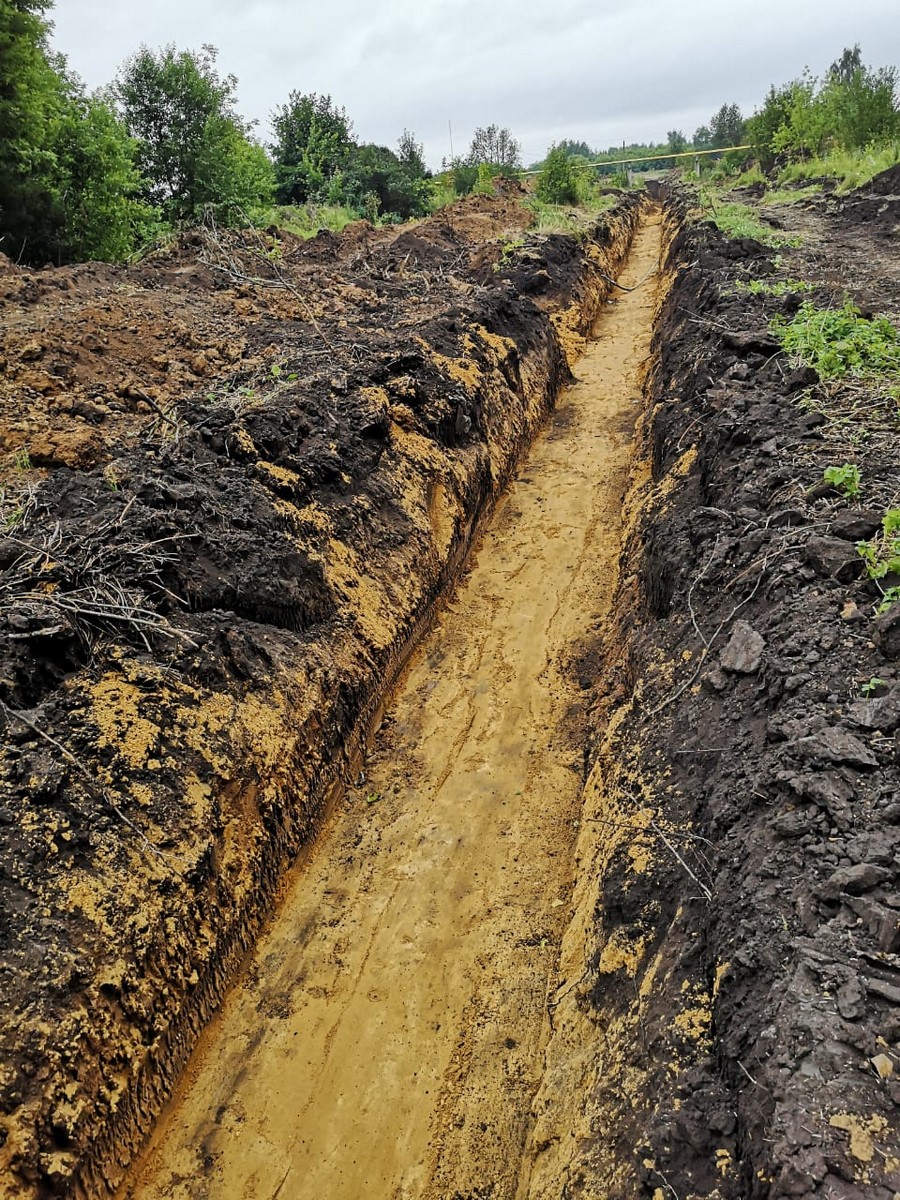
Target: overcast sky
(601, 71)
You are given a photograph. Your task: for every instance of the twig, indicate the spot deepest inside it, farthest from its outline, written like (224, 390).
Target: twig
(662, 837)
(163, 416)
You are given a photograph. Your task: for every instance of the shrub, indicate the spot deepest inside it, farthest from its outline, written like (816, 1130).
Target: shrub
(558, 182)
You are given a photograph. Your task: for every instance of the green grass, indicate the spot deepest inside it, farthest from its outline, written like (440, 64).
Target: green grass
(306, 220)
(740, 221)
(566, 218)
(838, 342)
(849, 168)
(753, 175)
(791, 195)
(441, 194)
(781, 287)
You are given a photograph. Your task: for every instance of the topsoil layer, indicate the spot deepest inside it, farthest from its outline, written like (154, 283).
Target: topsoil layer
(239, 476)
(743, 961)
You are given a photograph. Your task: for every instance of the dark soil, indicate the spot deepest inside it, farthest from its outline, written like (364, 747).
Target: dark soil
(763, 747)
(239, 475)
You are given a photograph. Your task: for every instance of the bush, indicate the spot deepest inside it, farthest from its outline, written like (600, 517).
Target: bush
(558, 182)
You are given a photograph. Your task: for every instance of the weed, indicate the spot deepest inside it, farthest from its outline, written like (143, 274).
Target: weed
(845, 479)
(870, 686)
(22, 460)
(559, 218)
(508, 249)
(840, 341)
(753, 175)
(781, 287)
(881, 556)
(740, 221)
(850, 168)
(12, 513)
(304, 220)
(791, 195)
(277, 372)
(373, 797)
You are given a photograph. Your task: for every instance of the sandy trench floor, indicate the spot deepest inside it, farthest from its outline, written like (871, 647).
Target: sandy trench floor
(386, 1039)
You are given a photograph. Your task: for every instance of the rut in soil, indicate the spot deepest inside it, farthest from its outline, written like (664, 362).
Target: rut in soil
(387, 1038)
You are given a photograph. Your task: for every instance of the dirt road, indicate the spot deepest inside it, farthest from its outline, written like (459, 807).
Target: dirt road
(387, 1037)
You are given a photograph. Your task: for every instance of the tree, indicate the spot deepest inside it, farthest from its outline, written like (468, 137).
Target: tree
(861, 102)
(677, 142)
(575, 149)
(844, 68)
(68, 184)
(32, 97)
(853, 106)
(313, 141)
(98, 212)
(411, 155)
(727, 126)
(192, 147)
(377, 171)
(558, 182)
(765, 123)
(703, 138)
(495, 147)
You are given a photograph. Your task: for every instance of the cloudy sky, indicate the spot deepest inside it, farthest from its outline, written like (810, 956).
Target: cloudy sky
(602, 71)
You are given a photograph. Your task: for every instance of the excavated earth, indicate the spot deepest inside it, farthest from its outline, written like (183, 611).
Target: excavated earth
(240, 475)
(254, 468)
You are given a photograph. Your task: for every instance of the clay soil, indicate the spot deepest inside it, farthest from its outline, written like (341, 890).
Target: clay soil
(608, 908)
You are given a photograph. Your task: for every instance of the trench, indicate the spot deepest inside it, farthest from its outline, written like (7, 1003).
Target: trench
(387, 1037)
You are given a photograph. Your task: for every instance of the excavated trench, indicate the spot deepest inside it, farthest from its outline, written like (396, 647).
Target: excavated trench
(389, 1034)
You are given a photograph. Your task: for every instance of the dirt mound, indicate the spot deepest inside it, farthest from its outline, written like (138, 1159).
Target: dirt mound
(290, 451)
(887, 183)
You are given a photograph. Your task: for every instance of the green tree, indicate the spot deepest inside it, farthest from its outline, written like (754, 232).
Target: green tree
(68, 183)
(97, 210)
(861, 103)
(559, 181)
(703, 138)
(495, 147)
(766, 122)
(192, 147)
(727, 126)
(575, 149)
(843, 69)
(465, 176)
(32, 96)
(412, 156)
(313, 141)
(375, 171)
(677, 142)
(805, 128)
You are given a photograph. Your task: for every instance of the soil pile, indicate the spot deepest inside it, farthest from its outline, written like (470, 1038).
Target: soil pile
(240, 476)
